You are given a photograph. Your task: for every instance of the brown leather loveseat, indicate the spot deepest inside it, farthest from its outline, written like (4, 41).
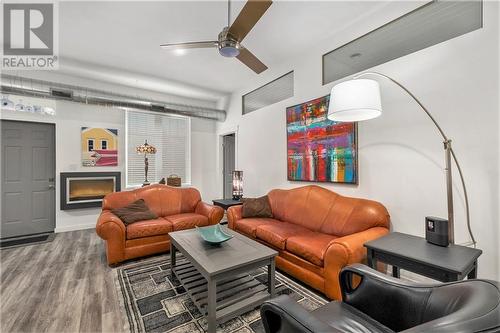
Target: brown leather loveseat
(177, 209)
(317, 232)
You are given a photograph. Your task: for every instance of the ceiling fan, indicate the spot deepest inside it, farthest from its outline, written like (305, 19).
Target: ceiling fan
(229, 40)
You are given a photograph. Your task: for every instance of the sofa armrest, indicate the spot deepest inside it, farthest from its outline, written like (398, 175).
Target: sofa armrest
(214, 213)
(110, 228)
(283, 314)
(344, 251)
(233, 215)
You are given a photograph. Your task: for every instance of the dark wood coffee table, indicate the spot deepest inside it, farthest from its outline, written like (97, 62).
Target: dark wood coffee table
(217, 277)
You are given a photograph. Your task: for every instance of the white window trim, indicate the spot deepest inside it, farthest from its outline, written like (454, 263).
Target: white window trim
(187, 183)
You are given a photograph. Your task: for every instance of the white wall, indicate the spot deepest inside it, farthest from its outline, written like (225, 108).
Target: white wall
(401, 159)
(69, 119)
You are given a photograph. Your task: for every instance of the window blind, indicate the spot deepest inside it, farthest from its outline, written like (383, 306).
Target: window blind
(171, 137)
(270, 93)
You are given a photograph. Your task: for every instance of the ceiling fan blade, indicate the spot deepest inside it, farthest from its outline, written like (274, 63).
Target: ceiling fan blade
(251, 61)
(248, 17)
(189, 45)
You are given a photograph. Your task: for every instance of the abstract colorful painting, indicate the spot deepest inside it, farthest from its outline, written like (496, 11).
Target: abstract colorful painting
(99, 146)
(320, 150)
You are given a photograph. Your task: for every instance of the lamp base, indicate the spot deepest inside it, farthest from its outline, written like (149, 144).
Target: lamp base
(146, 184)
(237, 197)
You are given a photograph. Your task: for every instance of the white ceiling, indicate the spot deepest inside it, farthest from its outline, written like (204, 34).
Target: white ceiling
(125, 36)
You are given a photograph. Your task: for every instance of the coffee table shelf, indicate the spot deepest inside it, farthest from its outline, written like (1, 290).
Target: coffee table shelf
(234, 293)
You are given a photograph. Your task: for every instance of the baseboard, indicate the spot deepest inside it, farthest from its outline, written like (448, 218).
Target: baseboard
(74, 227)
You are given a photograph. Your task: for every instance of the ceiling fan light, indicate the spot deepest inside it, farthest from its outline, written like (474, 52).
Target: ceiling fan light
(229, 51)
(229, 48)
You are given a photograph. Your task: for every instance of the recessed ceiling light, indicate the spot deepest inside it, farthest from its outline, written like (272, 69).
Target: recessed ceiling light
(180, 51)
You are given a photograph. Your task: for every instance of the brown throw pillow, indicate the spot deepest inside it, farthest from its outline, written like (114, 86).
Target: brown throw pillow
(136, 211)
(256, 207)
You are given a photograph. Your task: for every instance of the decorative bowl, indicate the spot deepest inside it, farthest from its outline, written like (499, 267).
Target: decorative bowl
(213, 234)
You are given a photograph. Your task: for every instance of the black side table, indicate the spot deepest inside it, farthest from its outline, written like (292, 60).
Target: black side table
(415, 254)
(226, 203)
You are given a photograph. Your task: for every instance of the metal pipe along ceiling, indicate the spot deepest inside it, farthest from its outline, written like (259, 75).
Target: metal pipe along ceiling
(16, 85)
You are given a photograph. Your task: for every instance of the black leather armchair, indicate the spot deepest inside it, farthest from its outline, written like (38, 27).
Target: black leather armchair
(377, 303)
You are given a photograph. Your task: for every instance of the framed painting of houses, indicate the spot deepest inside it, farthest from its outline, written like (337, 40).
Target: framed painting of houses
(99, 146)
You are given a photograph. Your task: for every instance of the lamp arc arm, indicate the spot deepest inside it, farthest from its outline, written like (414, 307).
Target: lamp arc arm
(446, 140)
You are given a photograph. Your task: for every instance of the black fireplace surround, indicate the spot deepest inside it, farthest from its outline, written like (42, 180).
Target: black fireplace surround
(87, 189)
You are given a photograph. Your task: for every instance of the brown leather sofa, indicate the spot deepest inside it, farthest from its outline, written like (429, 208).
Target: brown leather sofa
(177, 209)
(317, 232)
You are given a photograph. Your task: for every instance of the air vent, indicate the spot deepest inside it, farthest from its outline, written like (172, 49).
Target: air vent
(428, 25)
(66, 94)
(270, 93)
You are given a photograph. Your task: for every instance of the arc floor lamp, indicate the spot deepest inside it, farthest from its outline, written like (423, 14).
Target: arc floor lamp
(359, 99)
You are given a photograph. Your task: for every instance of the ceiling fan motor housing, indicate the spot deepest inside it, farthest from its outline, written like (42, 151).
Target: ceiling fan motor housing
(228, 46)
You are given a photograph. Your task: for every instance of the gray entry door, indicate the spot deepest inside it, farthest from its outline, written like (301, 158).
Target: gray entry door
(229, 162)
(28, 173)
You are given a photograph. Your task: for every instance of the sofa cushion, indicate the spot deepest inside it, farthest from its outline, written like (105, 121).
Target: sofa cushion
(187, 221)
(276, 234)
(256, 207)
(346, 318)
(310, 246)
(136, 211)
(249, 226)
(148, 228)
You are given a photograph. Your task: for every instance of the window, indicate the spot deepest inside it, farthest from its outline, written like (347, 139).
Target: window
(90, 144)
(270, 93)
(430, 24)
(170, 135)
(104, 144)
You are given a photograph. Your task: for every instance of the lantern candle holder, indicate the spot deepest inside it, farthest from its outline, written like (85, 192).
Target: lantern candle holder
(237, 185)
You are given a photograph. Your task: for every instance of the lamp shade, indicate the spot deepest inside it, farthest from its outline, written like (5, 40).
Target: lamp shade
(355, 100)
(145, 148)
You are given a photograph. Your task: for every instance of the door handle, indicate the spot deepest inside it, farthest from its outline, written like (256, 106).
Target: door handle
(52, 186)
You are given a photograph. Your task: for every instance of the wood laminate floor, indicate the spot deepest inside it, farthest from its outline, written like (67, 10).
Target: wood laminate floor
(61, 286)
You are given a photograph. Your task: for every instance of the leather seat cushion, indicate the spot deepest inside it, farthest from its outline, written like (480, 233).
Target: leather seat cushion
(276, 234)
(187, 221)
(346, 318)
(148, 228)
(248, 226)
(310, 246)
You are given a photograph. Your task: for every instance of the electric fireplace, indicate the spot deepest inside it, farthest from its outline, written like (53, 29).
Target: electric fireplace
(87, 189)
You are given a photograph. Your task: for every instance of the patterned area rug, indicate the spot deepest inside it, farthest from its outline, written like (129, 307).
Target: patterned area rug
(154, 301)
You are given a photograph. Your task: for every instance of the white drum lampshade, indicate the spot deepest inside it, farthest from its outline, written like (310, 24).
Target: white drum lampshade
(355, 100)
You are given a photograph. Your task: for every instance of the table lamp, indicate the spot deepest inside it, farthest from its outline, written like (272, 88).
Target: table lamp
(359, 99)
(145, 149)
(237, 185)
